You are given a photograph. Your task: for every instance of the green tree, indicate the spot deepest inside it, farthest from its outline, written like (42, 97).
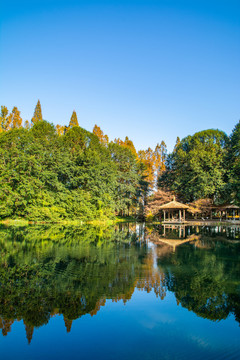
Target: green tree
(233, 162)
(196, 168)
(128, 177)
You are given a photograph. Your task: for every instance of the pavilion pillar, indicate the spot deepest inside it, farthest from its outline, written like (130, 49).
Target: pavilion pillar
(180, 215)
(184, 215)
(164, 215)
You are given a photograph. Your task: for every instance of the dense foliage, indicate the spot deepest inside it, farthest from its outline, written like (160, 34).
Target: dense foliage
(205, 165)
(233, 160)
(53, 173)
(44, 176)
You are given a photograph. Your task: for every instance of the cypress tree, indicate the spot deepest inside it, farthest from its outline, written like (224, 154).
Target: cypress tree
(37, 116)
(73, 121)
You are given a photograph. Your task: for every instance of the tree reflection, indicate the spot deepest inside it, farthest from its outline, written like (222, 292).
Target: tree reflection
(72, 271)
(204, 273)
(69, 271)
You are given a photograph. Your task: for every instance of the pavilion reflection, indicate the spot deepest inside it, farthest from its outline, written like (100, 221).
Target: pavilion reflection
(172, 236)
(181, 233)
(204, 274)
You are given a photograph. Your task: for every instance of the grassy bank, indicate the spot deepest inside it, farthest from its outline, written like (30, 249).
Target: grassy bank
(24, 222)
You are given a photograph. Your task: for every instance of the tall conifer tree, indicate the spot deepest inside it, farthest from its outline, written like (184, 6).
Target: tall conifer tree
(37, 116)
(73, 121)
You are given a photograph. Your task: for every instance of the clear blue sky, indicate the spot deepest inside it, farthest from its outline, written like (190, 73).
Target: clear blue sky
(150, 70)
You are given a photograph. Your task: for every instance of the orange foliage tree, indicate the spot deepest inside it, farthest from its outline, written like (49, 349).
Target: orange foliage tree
(15, 120)
(99, 133)
(159, 198)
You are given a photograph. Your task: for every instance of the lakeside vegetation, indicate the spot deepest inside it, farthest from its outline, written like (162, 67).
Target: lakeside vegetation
(66, 173)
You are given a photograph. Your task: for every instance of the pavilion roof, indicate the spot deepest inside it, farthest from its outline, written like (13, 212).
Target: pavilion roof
(173, 205)
(226, 206)
(232, 207)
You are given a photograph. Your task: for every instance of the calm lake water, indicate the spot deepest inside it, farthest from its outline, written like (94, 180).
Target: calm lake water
(123, 292)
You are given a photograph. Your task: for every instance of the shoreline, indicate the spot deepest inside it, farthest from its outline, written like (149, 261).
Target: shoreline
(23, 222)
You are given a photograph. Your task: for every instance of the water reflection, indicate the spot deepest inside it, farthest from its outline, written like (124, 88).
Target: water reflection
(187, 231)
(202, 267)
(69, 271)
(46, 271)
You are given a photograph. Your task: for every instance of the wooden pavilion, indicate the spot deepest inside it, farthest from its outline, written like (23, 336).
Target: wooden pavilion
(174, 211)
(226, 212)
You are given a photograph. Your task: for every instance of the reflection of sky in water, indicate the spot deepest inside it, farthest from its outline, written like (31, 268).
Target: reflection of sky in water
(145, 327)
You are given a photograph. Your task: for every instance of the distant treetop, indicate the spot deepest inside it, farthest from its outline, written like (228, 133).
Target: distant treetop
(73, 121)
(37, 116)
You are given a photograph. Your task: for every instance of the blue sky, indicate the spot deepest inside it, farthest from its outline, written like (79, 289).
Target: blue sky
(151, 70)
